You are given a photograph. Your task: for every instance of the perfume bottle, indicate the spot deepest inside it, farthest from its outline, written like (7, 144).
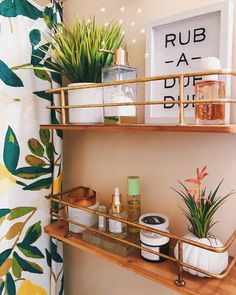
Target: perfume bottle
(210, 88)
(134, 204)
(120, 70)
(117, 228)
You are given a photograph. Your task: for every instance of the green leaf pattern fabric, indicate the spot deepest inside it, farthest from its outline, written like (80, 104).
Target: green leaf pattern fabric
(30, 262)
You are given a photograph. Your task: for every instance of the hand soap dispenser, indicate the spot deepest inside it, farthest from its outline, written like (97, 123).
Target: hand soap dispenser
(120, 70)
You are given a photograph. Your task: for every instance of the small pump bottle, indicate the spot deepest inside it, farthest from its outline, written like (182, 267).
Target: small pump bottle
(102, 219)
(134, 202)
(117, 228)
(210, 88)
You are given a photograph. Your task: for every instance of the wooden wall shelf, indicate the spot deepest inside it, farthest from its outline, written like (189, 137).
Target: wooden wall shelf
(163, 273)
(145, 127)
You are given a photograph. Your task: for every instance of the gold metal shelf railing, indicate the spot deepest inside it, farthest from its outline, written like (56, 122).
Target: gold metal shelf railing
(181, 102)
(64, 205)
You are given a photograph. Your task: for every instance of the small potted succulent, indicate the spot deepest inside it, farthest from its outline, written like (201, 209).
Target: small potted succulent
(74, 53)
(201, 208)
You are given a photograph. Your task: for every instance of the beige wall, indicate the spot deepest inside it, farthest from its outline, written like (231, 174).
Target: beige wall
(103, 160)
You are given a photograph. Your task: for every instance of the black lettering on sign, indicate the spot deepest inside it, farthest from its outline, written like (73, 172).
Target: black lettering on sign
(196, 79)
(199, 35)
(181, 42)
(168, 106)
(186, 81)
(182, 59)
(169, 83)
(170, 38)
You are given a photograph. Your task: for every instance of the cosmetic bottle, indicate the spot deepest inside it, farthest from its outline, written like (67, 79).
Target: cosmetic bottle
(102, 219)
(117, 228)
(133, 201)
(120, 70)
(208, 89)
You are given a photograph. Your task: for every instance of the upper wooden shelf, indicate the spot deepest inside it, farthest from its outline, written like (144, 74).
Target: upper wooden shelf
(163, 273)
(146, 127)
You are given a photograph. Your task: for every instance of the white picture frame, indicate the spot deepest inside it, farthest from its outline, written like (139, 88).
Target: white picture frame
(164, 48)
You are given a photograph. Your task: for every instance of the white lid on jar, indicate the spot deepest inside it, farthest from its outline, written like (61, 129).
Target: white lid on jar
(155, 240)
(155, 220)
(210, 63)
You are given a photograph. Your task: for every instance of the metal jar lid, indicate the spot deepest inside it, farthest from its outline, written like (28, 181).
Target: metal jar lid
(155, 220)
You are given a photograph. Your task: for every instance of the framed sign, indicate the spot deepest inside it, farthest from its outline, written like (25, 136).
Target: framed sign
(176, 44)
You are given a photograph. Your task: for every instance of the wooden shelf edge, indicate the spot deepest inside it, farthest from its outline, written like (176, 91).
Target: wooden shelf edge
(163, 273)
(145, 127)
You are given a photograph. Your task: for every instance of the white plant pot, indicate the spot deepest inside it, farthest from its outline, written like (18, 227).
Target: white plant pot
(209, 261)
(85, 96)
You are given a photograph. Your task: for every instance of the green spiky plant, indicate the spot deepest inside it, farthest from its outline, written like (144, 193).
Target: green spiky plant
(74, 50)
(201, 207)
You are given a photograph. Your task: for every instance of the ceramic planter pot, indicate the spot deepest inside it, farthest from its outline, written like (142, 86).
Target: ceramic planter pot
(209, 261)
(85, 96)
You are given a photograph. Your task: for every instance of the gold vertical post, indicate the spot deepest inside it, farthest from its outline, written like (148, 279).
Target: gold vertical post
(180, 282)
(63, 110)
(67, 233)
(181, 100)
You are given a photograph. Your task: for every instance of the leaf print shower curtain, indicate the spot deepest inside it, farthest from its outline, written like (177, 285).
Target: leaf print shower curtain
(30, 262)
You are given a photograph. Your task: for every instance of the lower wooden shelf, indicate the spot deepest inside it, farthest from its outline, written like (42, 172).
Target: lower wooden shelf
(164, 273)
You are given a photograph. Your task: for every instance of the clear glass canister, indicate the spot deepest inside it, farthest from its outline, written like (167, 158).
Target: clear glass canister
(119, 94)
(210, 113)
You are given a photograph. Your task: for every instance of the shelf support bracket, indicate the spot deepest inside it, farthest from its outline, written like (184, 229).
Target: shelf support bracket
(67, 232)
(180, 282)
(181, 100)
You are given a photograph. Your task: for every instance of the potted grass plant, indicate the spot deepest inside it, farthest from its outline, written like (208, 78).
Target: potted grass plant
(201, 208)
(74, 53)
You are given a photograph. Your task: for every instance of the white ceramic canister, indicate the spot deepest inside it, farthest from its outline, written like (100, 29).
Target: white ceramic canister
(82, 217)
(85, 96)
(152, 241)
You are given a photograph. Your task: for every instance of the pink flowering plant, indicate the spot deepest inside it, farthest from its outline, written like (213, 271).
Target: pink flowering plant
(201, 206)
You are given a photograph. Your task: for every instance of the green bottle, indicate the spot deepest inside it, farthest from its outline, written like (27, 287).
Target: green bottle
(134, 202)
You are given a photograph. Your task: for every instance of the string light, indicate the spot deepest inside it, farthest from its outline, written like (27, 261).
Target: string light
(132, 24)
(123, 32)
(122, 9)
(139, 10)
(142, 31)
(106, 24)
(146, 55)
(120, 21)
(102, 9)
(134, 41)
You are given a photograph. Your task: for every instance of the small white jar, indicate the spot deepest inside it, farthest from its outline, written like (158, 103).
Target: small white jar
(152, 241)
(83, 217)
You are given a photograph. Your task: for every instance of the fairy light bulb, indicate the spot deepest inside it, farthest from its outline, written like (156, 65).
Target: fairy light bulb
(134, 41)
(146, 55)
(142, 31)
(106, 24)
(121, 21)
(132, 24)
(122, 9)
(139, 11)
(123, 32)
(102, 9)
